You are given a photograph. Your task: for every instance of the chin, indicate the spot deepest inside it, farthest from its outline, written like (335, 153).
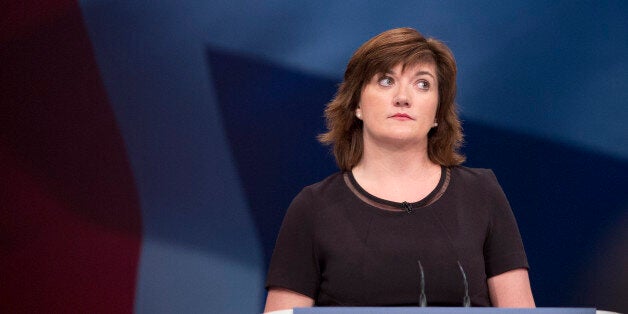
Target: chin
(405, 139)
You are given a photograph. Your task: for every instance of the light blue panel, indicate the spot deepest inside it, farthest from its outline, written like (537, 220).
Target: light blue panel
(178, 279)
(200, 252)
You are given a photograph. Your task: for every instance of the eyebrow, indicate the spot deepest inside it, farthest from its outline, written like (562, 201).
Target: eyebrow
(418, 73)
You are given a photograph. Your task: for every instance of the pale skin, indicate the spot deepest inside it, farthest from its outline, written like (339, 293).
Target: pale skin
(398, 109)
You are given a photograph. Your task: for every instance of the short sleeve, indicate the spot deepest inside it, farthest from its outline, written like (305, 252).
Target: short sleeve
(293, 265)
(503, 248)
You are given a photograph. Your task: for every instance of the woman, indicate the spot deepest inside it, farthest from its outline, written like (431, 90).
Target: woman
(402, 205)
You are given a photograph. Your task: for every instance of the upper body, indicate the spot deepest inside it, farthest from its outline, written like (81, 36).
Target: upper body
(395, 135)
(340, 245)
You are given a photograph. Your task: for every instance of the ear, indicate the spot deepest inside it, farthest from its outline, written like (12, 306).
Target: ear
(358, 113)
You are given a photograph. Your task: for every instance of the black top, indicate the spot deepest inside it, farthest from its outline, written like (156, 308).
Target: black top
(340, 245)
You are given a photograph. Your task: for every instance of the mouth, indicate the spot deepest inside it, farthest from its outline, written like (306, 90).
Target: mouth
(401, 116)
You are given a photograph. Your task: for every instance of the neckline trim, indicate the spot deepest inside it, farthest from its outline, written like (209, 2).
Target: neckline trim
(387, 205)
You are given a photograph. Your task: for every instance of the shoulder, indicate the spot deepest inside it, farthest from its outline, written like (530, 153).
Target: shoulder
(312, 200)
(319, 191)
(473, 175)
(478, 180)
(329, 185)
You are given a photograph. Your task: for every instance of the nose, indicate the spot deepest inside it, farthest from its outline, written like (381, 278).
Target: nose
(401, 99)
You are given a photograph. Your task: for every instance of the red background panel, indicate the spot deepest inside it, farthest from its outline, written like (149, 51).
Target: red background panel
(70, 221)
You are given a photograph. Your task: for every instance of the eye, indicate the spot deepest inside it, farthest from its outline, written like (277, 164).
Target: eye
(423, 85)
(386, 81)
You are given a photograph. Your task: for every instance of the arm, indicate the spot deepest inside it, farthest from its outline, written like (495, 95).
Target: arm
(283, 299)
(511, 289)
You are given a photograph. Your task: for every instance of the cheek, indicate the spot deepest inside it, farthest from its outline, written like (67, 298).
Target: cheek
(369, 100)
(435, 105)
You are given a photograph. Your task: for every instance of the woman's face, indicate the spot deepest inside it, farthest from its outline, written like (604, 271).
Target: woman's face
(399, 107)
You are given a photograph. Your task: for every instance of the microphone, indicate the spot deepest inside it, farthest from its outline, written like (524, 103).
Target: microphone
(466, 301)
(407, 207)
(422, 299)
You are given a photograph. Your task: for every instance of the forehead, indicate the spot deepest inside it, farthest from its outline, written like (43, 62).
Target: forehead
(417, 68)
(402, 68)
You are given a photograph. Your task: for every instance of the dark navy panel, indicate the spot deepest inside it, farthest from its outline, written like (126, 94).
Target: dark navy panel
(566, 200)
(272, 116)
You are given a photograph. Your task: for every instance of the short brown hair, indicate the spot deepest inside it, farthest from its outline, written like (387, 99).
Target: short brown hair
(404, 46)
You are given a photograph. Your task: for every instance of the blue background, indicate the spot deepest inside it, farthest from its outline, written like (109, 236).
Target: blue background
(219, 104)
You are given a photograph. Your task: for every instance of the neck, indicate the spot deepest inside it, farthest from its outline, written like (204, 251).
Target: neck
(410, 161)
(397, 172)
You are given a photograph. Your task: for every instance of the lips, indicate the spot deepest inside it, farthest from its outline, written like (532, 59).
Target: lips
(401, 116)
